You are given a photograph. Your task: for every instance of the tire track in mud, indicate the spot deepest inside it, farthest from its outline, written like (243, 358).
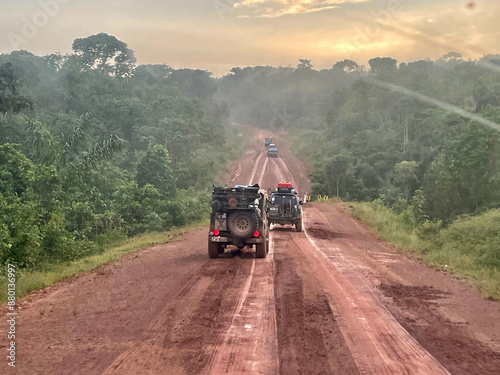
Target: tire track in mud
(187, 331)
(255, 168)
(237, 173)
(310, 341)
(279, 173)
(379, 344)
(387, 348)
(263, 173)
(224, 339)
(249, 344)
(284, 167)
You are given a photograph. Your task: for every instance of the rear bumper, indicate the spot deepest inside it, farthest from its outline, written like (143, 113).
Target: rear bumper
(230, 241)
(283, 221)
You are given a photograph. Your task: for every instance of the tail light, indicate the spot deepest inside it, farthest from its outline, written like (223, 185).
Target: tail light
(216, 232)
(256, 233)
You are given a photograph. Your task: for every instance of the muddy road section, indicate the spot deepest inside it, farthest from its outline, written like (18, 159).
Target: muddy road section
(329, 300)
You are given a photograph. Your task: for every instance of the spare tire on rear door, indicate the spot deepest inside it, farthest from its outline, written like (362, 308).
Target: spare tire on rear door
(242, 223)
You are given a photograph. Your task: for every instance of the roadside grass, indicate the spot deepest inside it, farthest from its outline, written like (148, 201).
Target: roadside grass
(469, 247)
(389, 228)
(27, 281)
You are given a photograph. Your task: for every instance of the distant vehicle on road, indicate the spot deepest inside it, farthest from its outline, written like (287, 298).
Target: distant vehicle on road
(272, 151)
(268, 141)
(284, 206)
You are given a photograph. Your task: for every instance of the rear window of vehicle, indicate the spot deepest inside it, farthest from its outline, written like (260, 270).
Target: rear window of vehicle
(278, 200)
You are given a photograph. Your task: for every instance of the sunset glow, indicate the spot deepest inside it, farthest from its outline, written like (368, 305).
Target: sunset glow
(218, 34)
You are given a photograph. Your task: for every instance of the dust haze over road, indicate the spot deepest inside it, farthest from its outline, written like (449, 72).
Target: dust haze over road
(329, 300)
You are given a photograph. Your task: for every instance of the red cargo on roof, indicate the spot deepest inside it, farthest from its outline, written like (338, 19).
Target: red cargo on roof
(284, 185)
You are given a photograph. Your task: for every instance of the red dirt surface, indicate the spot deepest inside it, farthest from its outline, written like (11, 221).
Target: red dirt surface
(329, 300)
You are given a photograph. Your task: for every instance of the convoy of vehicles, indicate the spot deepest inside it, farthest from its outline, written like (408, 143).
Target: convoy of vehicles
(272, 150)
(239, 218)
(241, 215)
(285, 206)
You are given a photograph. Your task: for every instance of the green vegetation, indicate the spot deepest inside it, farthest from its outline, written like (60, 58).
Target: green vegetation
(420, 140)
(93, 147)
(470, 247)
(389, 226)
(51, 273)
(387, 132)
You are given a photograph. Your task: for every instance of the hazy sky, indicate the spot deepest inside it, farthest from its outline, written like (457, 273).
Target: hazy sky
(218, 34)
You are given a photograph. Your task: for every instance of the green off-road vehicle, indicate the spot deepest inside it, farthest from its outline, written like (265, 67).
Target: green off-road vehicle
(285, 207)
(239, 218)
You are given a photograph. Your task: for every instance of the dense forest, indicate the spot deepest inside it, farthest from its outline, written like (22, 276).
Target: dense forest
(423, 137)
(93, 148)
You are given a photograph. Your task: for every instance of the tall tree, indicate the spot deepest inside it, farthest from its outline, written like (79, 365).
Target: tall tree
(383, 64)
(304, 64)
(10, 100)
(105, 53)
(346, 65)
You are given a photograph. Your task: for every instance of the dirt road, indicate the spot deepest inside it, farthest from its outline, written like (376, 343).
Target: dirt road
(329, 300)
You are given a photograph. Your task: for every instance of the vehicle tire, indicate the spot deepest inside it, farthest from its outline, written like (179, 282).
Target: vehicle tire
(213, 250)
(261, 250)
(242, 224)
(216, 206)
(298, 226)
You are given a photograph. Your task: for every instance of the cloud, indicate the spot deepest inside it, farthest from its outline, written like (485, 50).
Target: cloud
(278, 8)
